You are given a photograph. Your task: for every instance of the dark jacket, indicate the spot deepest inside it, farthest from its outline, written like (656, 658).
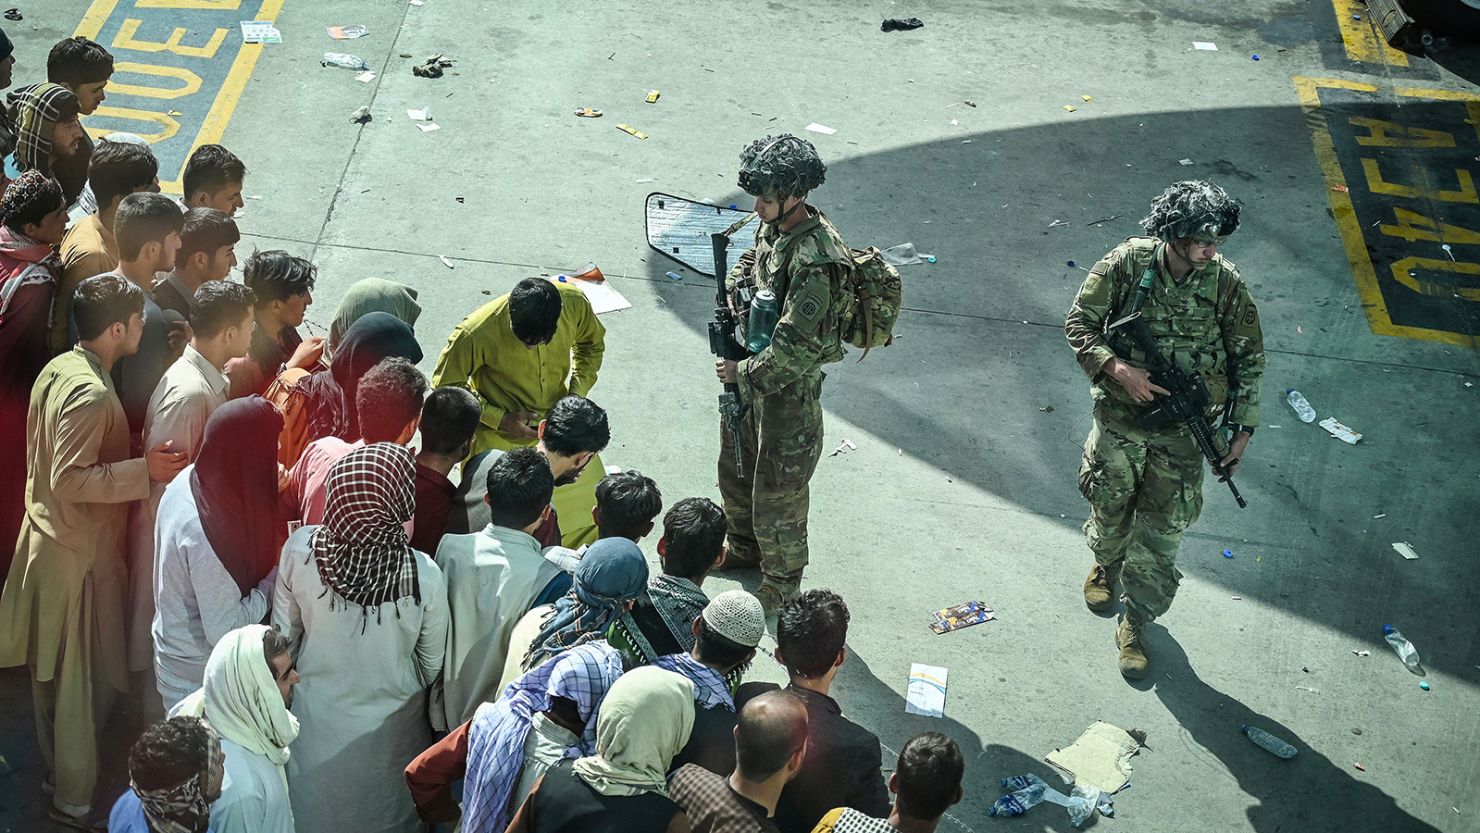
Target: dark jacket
(841, 767)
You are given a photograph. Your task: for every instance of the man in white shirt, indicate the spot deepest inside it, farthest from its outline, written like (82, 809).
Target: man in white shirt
(493, 577)
(193, 387)
(248, 689)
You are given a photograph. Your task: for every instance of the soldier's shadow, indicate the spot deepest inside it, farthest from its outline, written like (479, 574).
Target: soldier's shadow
(1308, 792)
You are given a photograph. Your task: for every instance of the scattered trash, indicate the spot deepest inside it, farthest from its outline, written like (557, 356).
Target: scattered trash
(445, 261)
(1302, 407)
(1106, 220)
(1070, 107)
(1469, 384)
(1448, 250)
(1204, 46)
(646, 179)
(1029, 791)
(1047, 409)
(1340, 189)
(673, 276)
(14, 14)
(1268, 742)
(1101, 757)
(1404, 649)
(843, 448)
(1237, 598)
(344, 61)
(1086, 98)
(432, 67)
(903, 254)
(969, 103)
(1057, 223)
(1308, 688)
(1356, 730)
(427, 126)
(360, 115)
(1423, 684)
(423, 114)
(1379, 516)
(963, 615)
(653, 96)
(1228, 553)
(588, 112)
(461, 199)
(365, 77)
(901, 24)
(1359, 767)
(253, 31)
(955, 122)
(814, 127)
(1361, 653)
(632, 131)
(1339, 431)
(1186, 163)
(926, 691)
(347, 32)
(1254, 57)
(1405, 549)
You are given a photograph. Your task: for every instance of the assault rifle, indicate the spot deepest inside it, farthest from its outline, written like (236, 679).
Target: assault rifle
(722, 342)
(1187, 400)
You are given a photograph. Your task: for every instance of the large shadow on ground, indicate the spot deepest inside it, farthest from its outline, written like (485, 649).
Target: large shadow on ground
(982, 358)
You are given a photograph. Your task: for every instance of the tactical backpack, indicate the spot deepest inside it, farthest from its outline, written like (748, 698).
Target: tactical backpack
(872, 300)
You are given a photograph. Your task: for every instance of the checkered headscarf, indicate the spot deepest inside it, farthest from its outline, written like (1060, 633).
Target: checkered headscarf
(361, 549)
(37, 109)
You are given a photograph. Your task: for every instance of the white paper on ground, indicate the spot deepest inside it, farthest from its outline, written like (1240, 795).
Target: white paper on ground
(260, 31)
(821, 128)
(926, 693)
(1339, 431)
(1204, 46)
(601, 294)
(428, 126)
(365, 77)
(424, 114)
(1405, 549)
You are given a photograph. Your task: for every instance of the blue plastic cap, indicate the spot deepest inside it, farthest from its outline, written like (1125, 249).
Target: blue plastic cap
(1387, 629)
(1071, 263)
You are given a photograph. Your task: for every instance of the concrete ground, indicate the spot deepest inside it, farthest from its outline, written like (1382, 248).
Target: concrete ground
(968, 429)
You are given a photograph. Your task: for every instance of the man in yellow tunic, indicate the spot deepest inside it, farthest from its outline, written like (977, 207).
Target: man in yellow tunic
(521, 353)
(61, 613)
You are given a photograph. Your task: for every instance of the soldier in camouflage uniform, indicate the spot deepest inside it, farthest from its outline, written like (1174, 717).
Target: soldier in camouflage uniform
(1144, 486)
(800, 257)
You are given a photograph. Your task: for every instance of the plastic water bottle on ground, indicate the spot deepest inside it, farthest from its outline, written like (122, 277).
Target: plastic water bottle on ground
(1268, 742)
(1302, 407)
(345, 61)
(1027, 793)
(1405, 649)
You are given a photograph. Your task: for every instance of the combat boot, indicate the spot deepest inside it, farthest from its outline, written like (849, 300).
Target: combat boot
(1130, 636)
(1099, 588)
(773, 596)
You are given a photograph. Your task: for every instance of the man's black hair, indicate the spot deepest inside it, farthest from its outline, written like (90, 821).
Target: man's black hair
(534, 310)
(276, 275)
(388, 397)
(930, 770)
(810, 632)
(274, 644)
(145, 218)
(206, 230)
(694, 530)
(102, 301)
(449, 418)
(720, 651)
(628, 501)
(170, 753)
(118, 169)
(576, 425)
(218, 305)
(770, 728)
(211, 168)
(519, 488)
(47, 197)
(78, 60)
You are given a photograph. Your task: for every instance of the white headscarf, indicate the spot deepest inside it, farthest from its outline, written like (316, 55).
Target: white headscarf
(240, 698)
(644, 721)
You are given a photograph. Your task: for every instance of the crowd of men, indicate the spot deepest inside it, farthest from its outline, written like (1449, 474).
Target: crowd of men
(365, 599)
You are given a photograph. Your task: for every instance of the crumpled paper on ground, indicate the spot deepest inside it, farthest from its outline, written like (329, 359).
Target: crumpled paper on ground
(1101, 757)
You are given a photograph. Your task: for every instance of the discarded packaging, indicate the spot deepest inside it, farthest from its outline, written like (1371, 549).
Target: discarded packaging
(1204, 46)
(1268, 742)
(360, 116)
(1186, 163)
(365, 77)
(256, 31)
(1423, 684)
(673, 276)
(1404, 649)
(1358, 766)
(960, 616)
(814, 127)
(901, 24)
(1086, 98)
(344, 61)
(427, 126)
(347, 32)
(903, 254)
(445, 261)
(653, 96)
(423, 114)
(1029, 790)
(588, 112)
(1302, 407)
(926, 692)
(1341, 189)
(1405, 549)
(432, 67)
(843, 448)
(1339, 431)
(1361, 653)
(1101, 757)
(590, 272)
(632, 131)
(1070, 107)
(13, 14)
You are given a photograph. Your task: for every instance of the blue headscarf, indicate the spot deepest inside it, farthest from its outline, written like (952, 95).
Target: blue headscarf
(611, 573)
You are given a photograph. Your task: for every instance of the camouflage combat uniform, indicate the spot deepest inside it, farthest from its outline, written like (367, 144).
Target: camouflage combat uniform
(1144, 486)
(766, 499)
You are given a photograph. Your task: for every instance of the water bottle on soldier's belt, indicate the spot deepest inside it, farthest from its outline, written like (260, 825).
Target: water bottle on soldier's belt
(762, 320)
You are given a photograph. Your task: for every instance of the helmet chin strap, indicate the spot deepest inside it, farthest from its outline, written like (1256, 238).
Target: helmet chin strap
(781, 218)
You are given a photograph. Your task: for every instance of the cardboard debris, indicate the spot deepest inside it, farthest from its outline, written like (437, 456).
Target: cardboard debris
(1101, 757)
(1405, 549)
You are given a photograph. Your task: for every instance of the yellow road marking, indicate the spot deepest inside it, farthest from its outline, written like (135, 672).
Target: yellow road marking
(1361, 38)
(92, 22)
(1352, 238)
